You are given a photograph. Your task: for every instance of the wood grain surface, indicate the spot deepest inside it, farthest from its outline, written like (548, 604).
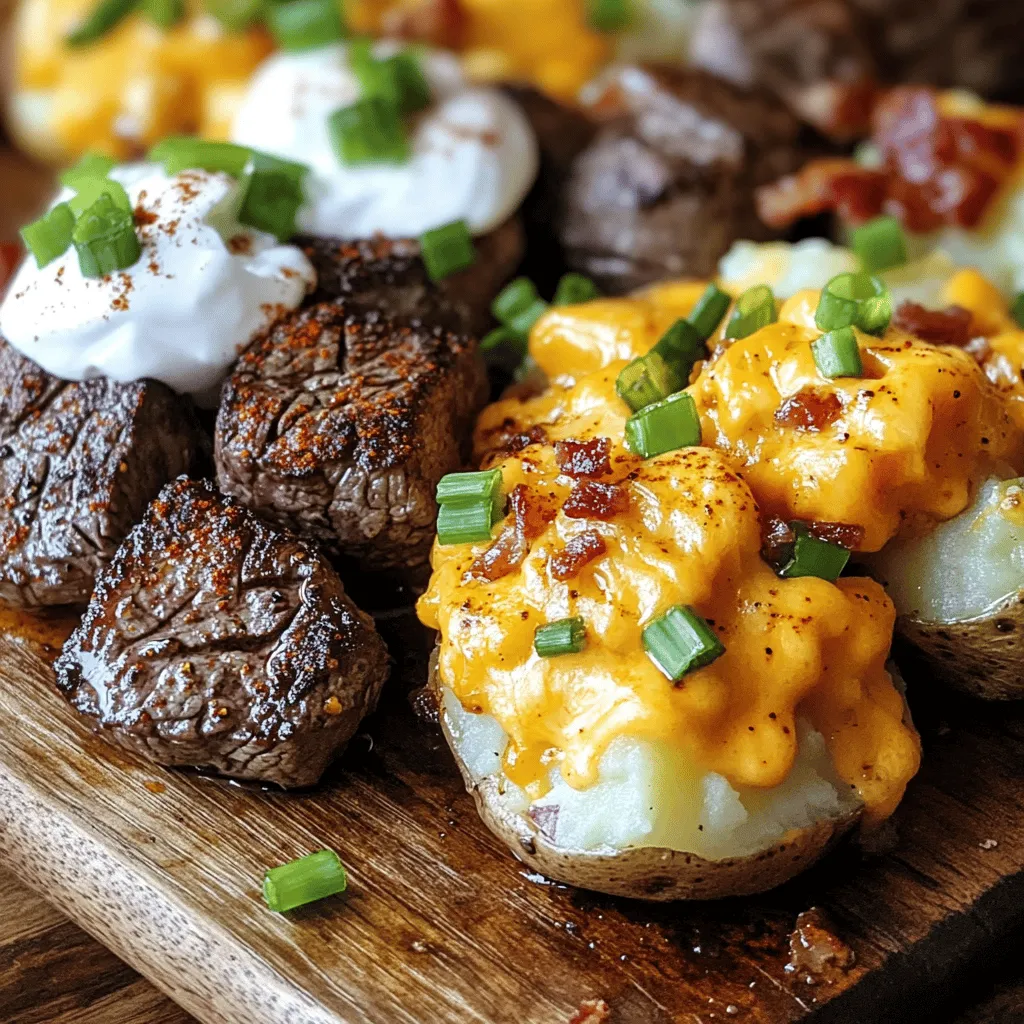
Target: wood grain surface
(440, 924)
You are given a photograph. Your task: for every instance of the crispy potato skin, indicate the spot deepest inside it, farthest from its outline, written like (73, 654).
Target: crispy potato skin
(647, 873)
(982, 657)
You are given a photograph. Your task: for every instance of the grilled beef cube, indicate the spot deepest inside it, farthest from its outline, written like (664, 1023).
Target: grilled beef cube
(667, 184)
(214, 640)
(79, 463)
(339, 422)
(388, 274)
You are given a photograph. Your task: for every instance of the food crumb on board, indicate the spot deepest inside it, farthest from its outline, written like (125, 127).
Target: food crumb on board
(591, 1011)
(988, 844)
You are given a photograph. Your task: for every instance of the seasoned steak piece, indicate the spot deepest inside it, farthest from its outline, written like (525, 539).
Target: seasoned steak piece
(79, 462)
(667, 184)
(339, 422)
(214, 640)
(389, 275)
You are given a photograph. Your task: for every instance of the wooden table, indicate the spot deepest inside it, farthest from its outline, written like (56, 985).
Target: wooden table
(51, 972)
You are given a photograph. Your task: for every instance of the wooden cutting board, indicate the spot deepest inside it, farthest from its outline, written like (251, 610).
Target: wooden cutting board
(440, 924)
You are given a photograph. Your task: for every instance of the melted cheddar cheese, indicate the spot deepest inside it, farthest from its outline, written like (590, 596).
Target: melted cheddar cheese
(691, 535)
(128, 89)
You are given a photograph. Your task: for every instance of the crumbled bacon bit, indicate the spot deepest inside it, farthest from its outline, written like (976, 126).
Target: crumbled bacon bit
(580, 550)
(846, 535)
(809, 409)
(144, 217)
(936, 170)
(10, 254)
(441, 22)
(531, 512)
(584, 458)
(506, 439)
(240, 245)
(949, 326)
(777, 537)
(590, 500)
(591, 1011)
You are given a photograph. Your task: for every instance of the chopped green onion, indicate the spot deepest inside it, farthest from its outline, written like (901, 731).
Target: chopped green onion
(1017, 309)
(305, 24)
(370, 131)
(566, 636)
(465, 522)
(608, 15)
(680, 642)
(664, 426)
(518, 306)
(708, 313)
(814, 557)
(465, 488)
(398, 79)
(755, 309)
(273, 194)
(49, 237)
(99, 21)
(88, 190)
(573, 289)
(837, 354)
(165, 13)
(413, 88)
(105, 239)
(90, 165)
(646, 380)
(187, 153)
(854, 300)
(447, 249)
(681, 346)
(880, 244)
(303, 881)
(236, 15)
(504, 348)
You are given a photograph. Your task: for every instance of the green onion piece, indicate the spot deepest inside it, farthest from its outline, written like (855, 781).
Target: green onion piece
(187, 153)
(398, 79)
(165, 13)
(680, 642)
(854, 300)
(1017, 309)
(681, 346)
(303, 881)
(755, 309)
(49, 237)
(518, 306)
(837, 354)
(880, 244)
(236, 15)
(566, 636)
(664, 426)
(99, 21)
(413, 88)
(90, 165)
(608, 15)
(814, 557)
(465, 522)
(573, 289)
(305, 24)
(504, 348)
(708, 313)
(88, 190)
(470, 487)
(105, 239)
(273, 194)
(646, 380)
(447, 249)
(370, 131)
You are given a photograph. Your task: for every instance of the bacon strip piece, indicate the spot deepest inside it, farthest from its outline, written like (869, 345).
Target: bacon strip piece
(949, 326)
(777, 537)
(531, 513)
(809, 409)
(590, 500)
(584, 458)
(580, 550)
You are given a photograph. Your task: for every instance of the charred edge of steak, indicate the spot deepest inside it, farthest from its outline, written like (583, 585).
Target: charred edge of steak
(214, 640)
(79, 462)
(339, 422)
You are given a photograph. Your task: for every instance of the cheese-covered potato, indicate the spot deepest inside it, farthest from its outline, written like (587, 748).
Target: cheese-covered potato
(128, 89)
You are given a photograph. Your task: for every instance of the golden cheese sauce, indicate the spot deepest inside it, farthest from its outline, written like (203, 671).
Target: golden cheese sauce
(691, 535)
(911, 440)
(130, 88)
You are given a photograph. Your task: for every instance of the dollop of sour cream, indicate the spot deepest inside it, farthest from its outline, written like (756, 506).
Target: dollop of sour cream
(473, 153)
(203, 288)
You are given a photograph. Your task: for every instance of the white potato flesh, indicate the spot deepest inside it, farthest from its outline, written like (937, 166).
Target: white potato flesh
(966, 566)
(649, 794)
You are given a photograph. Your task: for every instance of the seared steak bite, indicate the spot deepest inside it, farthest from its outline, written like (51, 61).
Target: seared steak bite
(79, 462)
(214, 640)
(339, 423)
(667, 184)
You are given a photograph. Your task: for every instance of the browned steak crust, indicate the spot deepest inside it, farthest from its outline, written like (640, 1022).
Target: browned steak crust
(79, 462)
(339, 422)
(213, 639)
